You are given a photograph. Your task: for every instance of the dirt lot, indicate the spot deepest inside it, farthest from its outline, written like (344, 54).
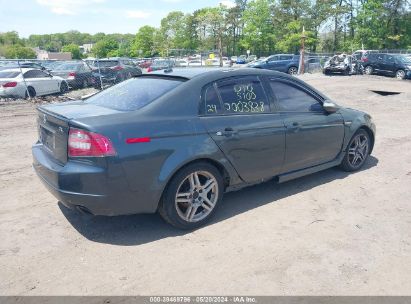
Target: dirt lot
(328, 233)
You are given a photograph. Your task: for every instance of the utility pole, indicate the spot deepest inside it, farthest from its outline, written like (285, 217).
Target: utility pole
(302, 61)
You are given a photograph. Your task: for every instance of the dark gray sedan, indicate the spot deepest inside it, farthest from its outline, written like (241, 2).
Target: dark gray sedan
(175, 142)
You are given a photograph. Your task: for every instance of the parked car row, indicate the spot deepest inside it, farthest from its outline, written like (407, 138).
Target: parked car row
(24, 79)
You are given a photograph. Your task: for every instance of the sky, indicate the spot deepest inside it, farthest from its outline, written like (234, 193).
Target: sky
(91, 16)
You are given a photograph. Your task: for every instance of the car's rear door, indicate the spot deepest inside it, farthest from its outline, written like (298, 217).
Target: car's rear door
(313, 136)
(35, 79)
(388, 64)
(237, 115)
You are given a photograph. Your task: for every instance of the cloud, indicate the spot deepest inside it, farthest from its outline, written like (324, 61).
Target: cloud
(67, 7)
(227, 3)
(137, 14)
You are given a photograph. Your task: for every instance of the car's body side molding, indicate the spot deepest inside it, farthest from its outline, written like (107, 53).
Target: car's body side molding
(299, 173)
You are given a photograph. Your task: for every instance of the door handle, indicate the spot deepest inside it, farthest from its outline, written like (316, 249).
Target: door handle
(295, 126)
(227, 132)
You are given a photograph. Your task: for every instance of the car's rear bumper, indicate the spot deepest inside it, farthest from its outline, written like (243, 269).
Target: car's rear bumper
(98, 190)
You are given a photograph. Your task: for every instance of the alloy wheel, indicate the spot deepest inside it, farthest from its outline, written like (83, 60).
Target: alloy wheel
(196, 196)
(400, 74)
(358, 150)
(293, 71)
(368, 70)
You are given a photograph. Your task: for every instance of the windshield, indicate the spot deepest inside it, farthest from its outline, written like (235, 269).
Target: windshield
(105, 64)
(66, 67)
(133, 94)
(9, 74)
(404, 59)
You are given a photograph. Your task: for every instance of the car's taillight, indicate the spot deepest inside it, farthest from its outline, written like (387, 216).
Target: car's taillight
(88, 144)
(149, 69)
(71, 75)
(117, 68)
(10, 84)
(365, 59)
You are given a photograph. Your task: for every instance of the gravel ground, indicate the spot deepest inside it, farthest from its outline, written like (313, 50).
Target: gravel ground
(330, 233)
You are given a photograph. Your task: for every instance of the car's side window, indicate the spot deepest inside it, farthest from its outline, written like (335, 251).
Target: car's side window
(211, 101)
(389, 59)
(243, 95)
(272, 59)
(29, 74)
(294, 99)
(285, 57)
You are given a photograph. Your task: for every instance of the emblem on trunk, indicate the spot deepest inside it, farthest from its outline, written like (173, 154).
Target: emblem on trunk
(44, 118)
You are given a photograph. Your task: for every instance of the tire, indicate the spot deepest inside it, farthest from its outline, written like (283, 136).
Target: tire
(63, 88)
(31, 92)
(357, 152)
(368, 70)
(185, 204)
(293, 71)
(400, 74)
(84, 84)
(346, 72)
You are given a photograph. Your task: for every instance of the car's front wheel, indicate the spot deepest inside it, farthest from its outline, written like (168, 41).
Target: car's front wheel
(368, 70)
(192, 196)
(293, 71)
(357, 152)
(400, 74)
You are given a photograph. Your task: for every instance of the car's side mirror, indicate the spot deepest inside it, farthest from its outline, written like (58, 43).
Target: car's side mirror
(330, 107)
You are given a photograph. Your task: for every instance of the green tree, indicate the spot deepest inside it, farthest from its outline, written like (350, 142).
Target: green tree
(19, 52)
(73, 49)
(143, 44)
(103, 47)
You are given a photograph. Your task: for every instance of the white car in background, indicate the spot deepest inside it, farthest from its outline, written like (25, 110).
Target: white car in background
(181, 63)
(196, 63)
(30, 82)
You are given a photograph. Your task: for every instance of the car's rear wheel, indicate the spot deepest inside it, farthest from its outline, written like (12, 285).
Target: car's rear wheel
(84, 84)
(63, 88)
(192, 195)
(368, 70)
(293, 71)
(357, 152)
(30, 92)
(400, 74)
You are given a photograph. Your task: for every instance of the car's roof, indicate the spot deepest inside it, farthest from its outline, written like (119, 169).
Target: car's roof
(18, 70)
(190, 73)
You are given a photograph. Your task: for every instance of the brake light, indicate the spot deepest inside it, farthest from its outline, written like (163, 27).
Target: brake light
(71, 75)
(150, 69)
(10, 84)
(138, 140)
(365, 59)
(117, 68)
(89, 144)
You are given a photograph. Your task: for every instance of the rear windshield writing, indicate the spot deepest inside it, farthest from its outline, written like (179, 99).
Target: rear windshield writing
(246, 97)
(133, 94)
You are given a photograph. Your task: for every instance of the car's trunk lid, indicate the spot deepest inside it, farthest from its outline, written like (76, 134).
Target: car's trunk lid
(54, 124)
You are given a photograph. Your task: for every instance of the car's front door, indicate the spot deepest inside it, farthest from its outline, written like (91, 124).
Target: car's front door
(273, 63)
(237, 115)
(388, 65)
(313, 136)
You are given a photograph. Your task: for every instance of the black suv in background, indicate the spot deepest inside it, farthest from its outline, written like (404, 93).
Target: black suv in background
(388, 64)
(113, 70)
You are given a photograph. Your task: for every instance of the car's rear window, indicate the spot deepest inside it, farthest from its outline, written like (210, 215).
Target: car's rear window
(106, 63)
(133, 94)
(8, 74)
(66, 67)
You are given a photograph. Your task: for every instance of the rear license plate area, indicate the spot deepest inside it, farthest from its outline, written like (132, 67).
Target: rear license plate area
(47, 138)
